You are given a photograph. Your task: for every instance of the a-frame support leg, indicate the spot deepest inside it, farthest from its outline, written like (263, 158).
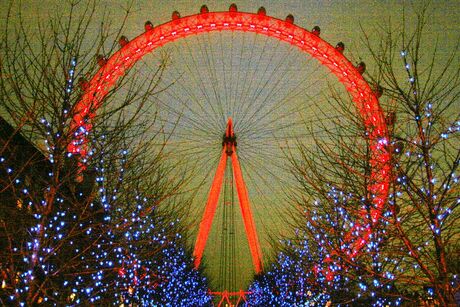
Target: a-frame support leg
(246, 212)
(210, 210)
(229, 149)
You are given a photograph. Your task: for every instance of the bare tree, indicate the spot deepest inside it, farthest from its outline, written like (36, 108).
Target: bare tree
(413, 249)
(65, 218)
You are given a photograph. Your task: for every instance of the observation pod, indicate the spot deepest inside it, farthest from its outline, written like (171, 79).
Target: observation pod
(290, 19)
(340, 47)
(316, 30)
(148, 26)
(123, 41)
(233, 8)
(83, 84)
(101, 60)
(204, 9)
(390, 119)
(398, 148)
(261, 11)
(175, 15)
(378, 90)
(361, 67)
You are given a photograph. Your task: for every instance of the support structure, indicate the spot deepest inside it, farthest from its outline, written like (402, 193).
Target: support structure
(229, 152)
(226, 298)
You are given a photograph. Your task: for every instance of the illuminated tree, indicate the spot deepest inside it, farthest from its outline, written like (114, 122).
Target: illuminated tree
(291, 280)
(410, 253)
(81, 231)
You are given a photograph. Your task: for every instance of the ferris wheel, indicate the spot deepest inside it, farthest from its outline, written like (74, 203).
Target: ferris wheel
(240, 87)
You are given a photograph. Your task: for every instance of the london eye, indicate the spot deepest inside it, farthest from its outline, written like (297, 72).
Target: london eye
(244, 88)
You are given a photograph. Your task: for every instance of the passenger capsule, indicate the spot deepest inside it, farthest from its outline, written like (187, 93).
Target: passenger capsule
(101, 60)
(340, 47)
(148, 26)
(390, 119)
(261, 11)
(398, 147)
(290, 18)
(123, 41)
(83, 84)
(175, 15)
(316, 30)
(233, 8)
(361, 67)
(378, 91)
(204, 9)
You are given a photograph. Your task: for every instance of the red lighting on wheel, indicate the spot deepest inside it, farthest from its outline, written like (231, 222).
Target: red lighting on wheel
(307, 41)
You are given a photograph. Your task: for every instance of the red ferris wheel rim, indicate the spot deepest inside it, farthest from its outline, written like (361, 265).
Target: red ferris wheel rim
(180, 27)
